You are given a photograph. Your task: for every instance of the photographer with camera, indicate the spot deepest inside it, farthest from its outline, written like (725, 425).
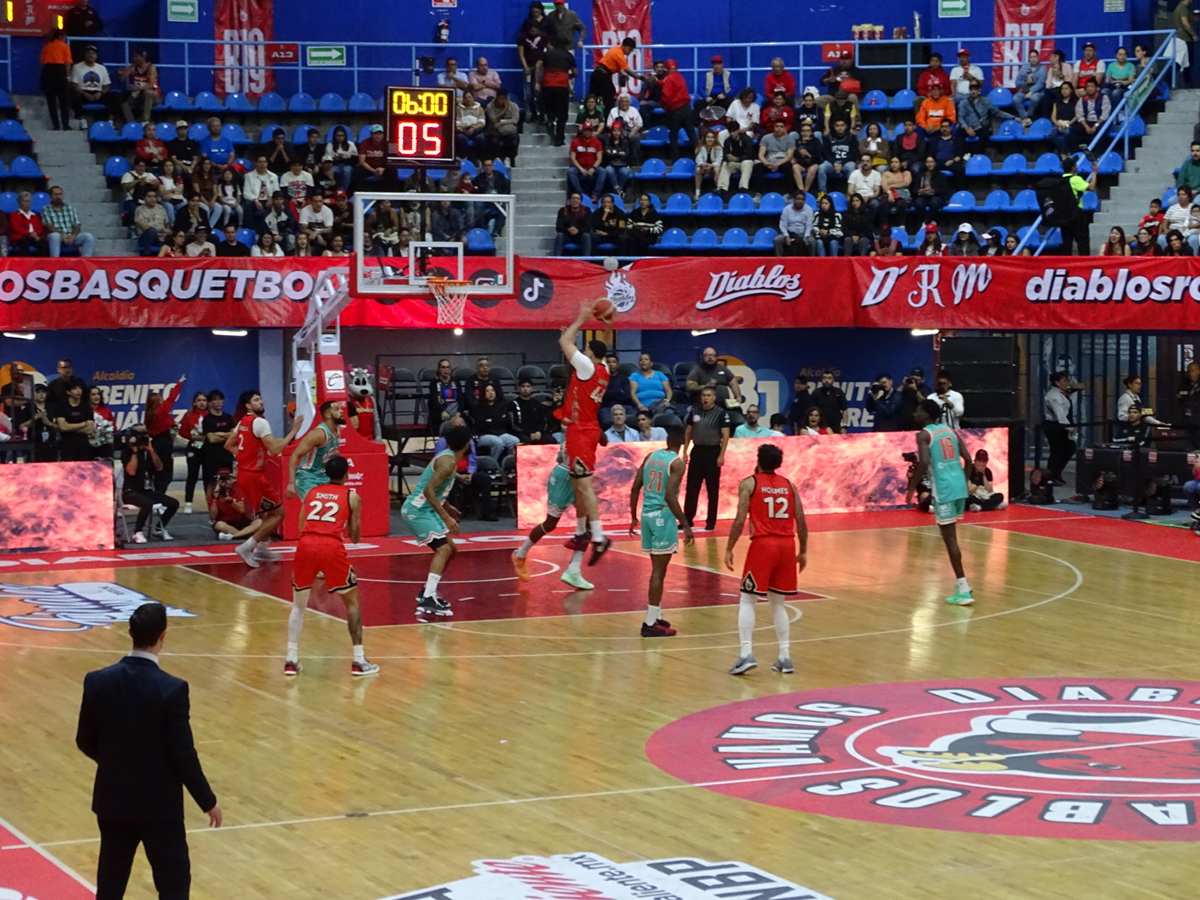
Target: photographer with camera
(912, 391)
(142, 465)
(883, 402)
(950, 400)
(231, 516)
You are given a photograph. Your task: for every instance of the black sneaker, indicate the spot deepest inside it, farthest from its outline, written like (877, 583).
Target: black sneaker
(599, 548)
(433, 606)
(658, 629)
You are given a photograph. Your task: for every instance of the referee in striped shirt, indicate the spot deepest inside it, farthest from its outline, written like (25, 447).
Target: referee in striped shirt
(708, 435)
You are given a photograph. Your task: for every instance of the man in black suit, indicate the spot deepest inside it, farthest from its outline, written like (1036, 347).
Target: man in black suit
(134, 724)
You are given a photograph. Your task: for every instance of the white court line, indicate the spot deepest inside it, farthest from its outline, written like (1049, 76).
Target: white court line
(40, 851)
(250, 590)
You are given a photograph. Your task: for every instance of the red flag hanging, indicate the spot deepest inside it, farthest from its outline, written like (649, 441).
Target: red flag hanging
(242, 67)
(1020, 26)
(615, 20)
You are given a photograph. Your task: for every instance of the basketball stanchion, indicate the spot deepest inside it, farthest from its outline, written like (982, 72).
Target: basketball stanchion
(451, 297)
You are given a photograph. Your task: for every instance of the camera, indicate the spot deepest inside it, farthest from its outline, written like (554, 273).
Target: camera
(910, 458)
(876, 387)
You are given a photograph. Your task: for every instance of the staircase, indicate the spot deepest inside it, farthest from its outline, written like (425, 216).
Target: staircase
(1163, 150)
(539, 182)
(68, 162)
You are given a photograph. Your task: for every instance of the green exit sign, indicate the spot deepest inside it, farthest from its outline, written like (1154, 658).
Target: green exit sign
(183, 10)
(954, 9)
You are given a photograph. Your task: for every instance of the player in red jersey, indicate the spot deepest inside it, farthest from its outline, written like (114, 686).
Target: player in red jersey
(253, 442)
(330, 510)
(579, 414)
(776, 518)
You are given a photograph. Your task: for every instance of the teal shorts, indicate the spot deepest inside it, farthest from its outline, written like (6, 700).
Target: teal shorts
(426, 524)
(306, 481)
(660, 532)
(560, 492)
(949, 512)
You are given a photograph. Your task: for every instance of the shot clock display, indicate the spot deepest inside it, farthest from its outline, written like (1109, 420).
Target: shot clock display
(421, 125)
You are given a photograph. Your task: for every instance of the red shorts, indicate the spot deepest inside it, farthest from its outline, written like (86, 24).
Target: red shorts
(770, 566)
(581, 447)
(321, 554)
(261, 495)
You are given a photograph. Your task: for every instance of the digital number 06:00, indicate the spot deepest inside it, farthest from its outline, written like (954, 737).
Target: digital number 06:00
(426, 103)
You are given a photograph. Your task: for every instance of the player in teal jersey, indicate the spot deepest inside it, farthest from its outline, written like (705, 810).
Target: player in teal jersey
(432, 520)
(660, 475)
(306, 467)
(560, 496)
(942, 455)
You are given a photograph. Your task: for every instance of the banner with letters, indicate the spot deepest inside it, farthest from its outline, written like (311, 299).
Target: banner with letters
(1020, 25)
(615, 20)
(1026, 293)
(242, 67)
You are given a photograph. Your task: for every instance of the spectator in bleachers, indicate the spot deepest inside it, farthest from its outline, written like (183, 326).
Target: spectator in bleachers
(962, 74)
(868, 184)
(715, 87)
(739, 158)
(1178, 213)
(372, 159)
(856, 226)
(631, 121)
(1012, 242)
(608, 224)
(337, 246)
(528, 416)
(229, 197)
(586, 175)
(1189, 173)
(343, 216)
(489, 181)
(842, 109)
(810, 153)
(644, 226)
(170, 187)
(56, 79)
(558, 68)
(778, 110)
(909, 146)
(618, 154)
(875, 145)
(532, 43)
(278, 152)
(1153, 220)
(780, 77)
(895, 194)
(565, 25)
(312, 151)
(992, 243)
(152, 223)
(445, 395)
(1059, 73)
(316, 221)
(795, 236)
(1116, 245)
(63, 228)
(1177, 244)
(885, 244)
(135, 183)
(947, 148)
(934, 73)
(325, 180)
(932, 244)
(827, 228)
(382, 226)
(191, 215)
(677, 104)
(476, 384)
(231, 246)
(217, 147)
(776, 154)
(469, 139)
(591, 112)
(965, 243)
(258, 187)
(344, 156)
(618, 392)
(1064, 114)
(709, 157)
(453, 78)
(201, 245)
(81, 21)
(648, 431)
(503, 118)
(933, 109)
(1076, 229)
(651, 97)
(183, 151)
(621, 431)
(1089, 67)
(838, 158)
(931, 191)
(26, 233)
(176, 248)
(150, 148)
(649, 388)
(90, 83)
(977, 115)
(266, 246)
(297, 182)
(613, 63)
(141, 86)
(808, 113)
(1193, 232)
(483, 81)
(304, 247)
(1091, 112)
(445, 222)
(574, 225)
(842, 76)
(1119, 77)
(1029, 87)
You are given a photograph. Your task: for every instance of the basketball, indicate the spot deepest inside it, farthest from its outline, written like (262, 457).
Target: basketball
(604, 310)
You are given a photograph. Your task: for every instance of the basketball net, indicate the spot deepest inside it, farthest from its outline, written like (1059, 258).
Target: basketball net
(451, 299)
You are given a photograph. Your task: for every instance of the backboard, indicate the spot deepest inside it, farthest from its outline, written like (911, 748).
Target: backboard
(466, 237)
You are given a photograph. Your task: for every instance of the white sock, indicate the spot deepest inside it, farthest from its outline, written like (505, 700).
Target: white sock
(576, 562)
(295, 625)
(653, 614)
(746, 622)
(359, 656)
(431, 584)
(963, 587)
(597, 531)
(293, 654)
(783, 625)
(524, 549)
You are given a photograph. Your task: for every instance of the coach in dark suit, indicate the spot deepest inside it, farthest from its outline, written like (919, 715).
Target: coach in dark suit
(134, 724)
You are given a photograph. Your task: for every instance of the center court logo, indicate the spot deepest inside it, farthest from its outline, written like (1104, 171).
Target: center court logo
(1101, 759)
(77, 606)
(586, 876)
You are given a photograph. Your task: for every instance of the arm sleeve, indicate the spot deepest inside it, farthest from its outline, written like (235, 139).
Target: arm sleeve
(583, 366)
(183, 751)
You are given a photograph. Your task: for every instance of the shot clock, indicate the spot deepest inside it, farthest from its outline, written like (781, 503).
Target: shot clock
(421, 125)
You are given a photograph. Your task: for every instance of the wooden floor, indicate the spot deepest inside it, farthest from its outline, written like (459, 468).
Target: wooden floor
(491, 739)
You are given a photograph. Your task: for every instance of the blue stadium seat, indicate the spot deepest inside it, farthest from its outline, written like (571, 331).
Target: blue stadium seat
(683, 139)
(1083, 165)
(1014, 164)
(268, 133)
(898, 130)
(197, 131)
(683, 169)
(874, 100)
(903, 100)
(655, 137)
(704, 239)
(838, 199)
(8, 202)
(362, 103)
(997, 201)
(466, 166)
(177, 101)
(1169, 196)
(978, 165)
(900, 236)
(364, 134)
(771, 204)
(735, 239)
(740, 204)
(1047, 164)
(103, 133)
(24, 167)
(302, 103)
(115, 167)
(709, 205)
(13, 131)
(270, 103)
(132, 131)
(1000, 97)
(331, 102)
(651, 169)
(246, 164)
(587, 201)
(1091, 201)
(1040, 130)
(247, 236)
(300, 135)
(501, 168)
(6, 101)
(207, 101)
(1002, 231)
(678, 205)
(165, 131)
(1026, 201)
(619, 202)
(238, 102)
(1052, 238)
(39, 201)
(656, 203)
(479, 241)
(961, 201)
(234, 132)
(1111, 163)
(764, 239)
(1137, 126)
(1034, 237)
(673, 239)
(1009, 130)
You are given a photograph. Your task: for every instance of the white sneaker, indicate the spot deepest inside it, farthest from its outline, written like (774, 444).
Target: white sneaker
(165, 535)
(187, 509)
(263, 553)
(247, 555)
(139, 537)
(222, 536)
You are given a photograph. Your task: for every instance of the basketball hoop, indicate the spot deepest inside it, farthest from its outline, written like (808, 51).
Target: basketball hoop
(451, 299)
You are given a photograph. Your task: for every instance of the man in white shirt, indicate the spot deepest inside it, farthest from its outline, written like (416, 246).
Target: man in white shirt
(90, 83)
(964, 73)
(1058, 426)
(950, 400)
(621, 432)
(647, 430)
(453, 78)
(751, 427)
(257, 189)
(297, 182)
(316, 220)
(626, 113)
(867, 182)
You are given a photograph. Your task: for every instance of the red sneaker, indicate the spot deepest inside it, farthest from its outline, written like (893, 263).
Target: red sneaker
(658, 629)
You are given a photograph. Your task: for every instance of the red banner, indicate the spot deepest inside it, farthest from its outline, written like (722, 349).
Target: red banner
(1027, 293)
(1020, 25)
(243, 67)
(615, 20)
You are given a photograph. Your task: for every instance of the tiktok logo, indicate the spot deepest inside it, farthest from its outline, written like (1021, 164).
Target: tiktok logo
(536, 289)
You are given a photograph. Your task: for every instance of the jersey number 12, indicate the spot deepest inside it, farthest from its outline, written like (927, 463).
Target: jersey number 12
(777, 507)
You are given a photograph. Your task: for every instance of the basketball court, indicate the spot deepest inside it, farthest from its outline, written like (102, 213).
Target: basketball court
(535, 723)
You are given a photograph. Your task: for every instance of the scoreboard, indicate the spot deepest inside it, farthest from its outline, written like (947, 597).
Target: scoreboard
(421, 125)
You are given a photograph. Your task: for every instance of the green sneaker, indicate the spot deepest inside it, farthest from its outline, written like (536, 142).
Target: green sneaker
(960, 598)
(575, 580)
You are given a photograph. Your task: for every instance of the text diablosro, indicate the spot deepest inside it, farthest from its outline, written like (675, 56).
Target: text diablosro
(1058, 286)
